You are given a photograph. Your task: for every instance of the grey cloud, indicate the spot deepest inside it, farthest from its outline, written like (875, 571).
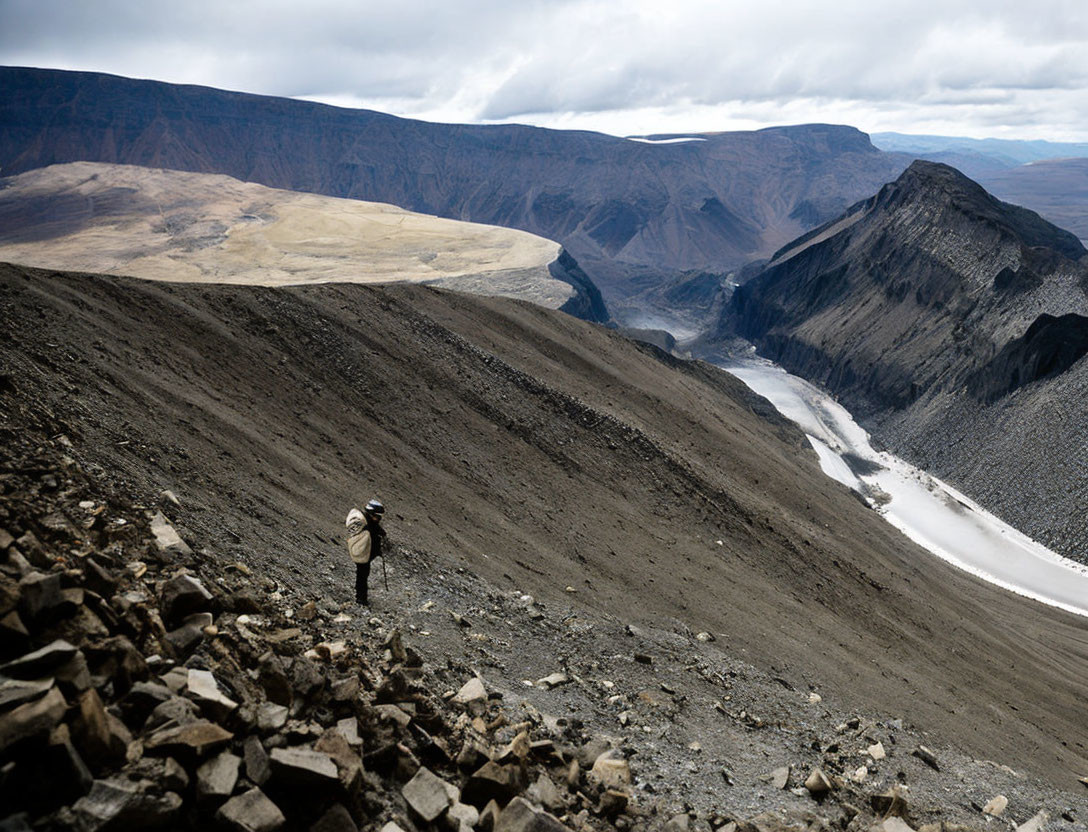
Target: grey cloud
(492, 60)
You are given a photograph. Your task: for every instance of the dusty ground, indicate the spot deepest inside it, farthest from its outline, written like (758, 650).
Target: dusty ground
(537, 452)
(701, 730)
(686, 751)
(198, 227)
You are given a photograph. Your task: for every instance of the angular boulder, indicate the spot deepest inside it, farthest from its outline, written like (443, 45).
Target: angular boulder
(1037, 823)
(612, 771)
(39, 595)
(471, 691)
(117, 803)
(301, 768)
(204, 690)
(427, 795)
(195, 738)
(818, 783)
(45, 661)
(493, 782)
(167, 539)
(181, 597)
(101, 737)
(15, 692)
(32, 719)
(258, 765)
(336, 819)
(251, 811)
(217, 777)
(521, 816)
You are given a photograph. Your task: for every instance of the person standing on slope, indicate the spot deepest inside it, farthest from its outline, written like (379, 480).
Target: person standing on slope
(366, 538)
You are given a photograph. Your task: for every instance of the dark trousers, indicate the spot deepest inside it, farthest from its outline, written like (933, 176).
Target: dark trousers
(362, 574)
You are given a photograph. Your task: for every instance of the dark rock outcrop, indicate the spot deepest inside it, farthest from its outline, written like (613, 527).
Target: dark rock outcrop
(1049, 347)
(586, 302)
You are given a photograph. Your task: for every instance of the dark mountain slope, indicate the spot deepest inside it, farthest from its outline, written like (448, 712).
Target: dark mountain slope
(925, 307)
(541, 452)
(631, 213)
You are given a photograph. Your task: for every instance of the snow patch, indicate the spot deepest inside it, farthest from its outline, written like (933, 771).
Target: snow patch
(927, 510)
(676, 140)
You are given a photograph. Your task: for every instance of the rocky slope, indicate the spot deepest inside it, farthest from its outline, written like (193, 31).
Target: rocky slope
(951, 323)
(147, 685)
(538, 453)
(633, 214)
(156, 680)
(170, 225)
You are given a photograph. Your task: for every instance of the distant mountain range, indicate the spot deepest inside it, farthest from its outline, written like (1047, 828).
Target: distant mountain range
(956, 325)
(636, 215)
(979, 156)
(1056, 188)
(1048, 177)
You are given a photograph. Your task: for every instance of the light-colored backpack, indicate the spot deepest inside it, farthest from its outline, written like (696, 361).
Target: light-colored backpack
(358, 537)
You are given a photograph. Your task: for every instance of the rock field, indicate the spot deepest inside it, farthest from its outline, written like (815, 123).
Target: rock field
(150, 683)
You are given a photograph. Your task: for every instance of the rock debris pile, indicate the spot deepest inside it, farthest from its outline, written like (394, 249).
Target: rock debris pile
(144, 685)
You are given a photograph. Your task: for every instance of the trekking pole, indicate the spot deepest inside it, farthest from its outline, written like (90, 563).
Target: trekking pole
(385, 574)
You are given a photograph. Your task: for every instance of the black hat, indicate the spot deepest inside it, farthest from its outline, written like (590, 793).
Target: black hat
(375, 508)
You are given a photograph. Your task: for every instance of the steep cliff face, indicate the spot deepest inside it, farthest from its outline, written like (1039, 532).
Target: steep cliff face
(633, 214)
(1049, 347)
(947, 319)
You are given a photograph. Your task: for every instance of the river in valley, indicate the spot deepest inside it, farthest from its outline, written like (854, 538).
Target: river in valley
(927, 510)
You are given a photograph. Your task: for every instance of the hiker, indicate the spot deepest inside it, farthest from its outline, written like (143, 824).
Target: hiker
(365, 540)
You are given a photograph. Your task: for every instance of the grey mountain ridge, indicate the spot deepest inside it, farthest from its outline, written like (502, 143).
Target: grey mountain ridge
(952, 324)
(633, 215)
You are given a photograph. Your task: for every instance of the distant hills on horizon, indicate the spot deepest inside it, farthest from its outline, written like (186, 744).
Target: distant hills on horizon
(642, 219)
(1010, 152)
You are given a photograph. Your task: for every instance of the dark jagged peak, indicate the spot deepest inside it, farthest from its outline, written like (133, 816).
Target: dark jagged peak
(939, 184)
(920, 285)
(954, 326)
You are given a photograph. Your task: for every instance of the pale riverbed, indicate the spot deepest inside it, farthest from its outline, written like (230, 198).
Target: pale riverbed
(927, 510)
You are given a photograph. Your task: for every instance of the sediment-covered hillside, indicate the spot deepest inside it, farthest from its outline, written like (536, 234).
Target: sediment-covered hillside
(540, 453)
(954, 325)
(199, 228)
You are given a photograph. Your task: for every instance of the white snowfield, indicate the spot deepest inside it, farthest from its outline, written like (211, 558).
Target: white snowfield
(674, 140)
(927, 510)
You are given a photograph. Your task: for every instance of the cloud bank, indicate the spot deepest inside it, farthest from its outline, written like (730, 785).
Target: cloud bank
(955, 67)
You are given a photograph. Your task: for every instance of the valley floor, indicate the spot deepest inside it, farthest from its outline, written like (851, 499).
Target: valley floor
(927, 510)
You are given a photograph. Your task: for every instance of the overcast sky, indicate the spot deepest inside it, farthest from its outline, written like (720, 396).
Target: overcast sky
(952, 67)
